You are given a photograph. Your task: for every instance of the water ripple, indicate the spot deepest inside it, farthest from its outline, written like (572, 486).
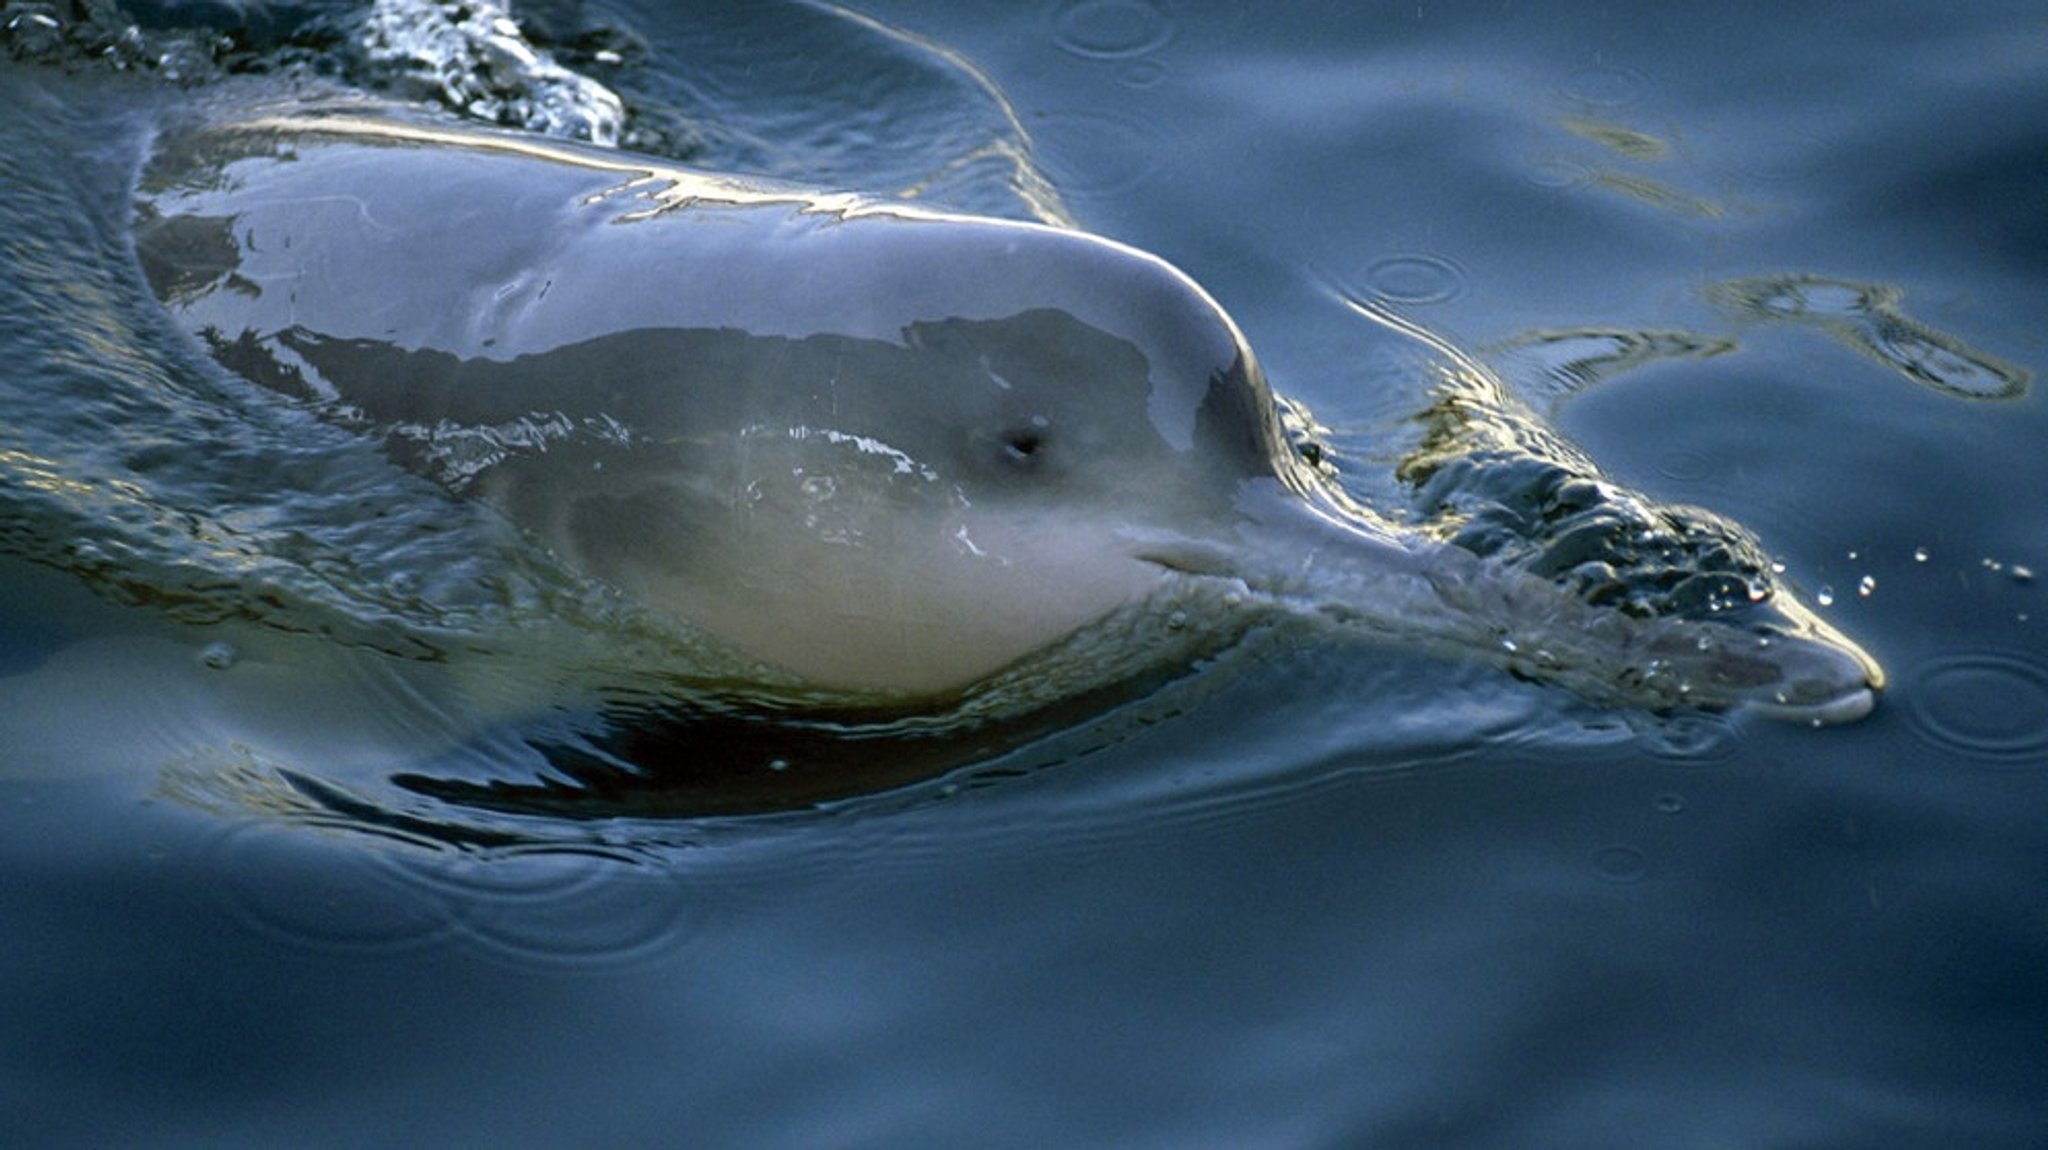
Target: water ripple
(1406, 279)
(1606, 86)
(1700, 737)
(1563, 361)
(1141, 74)
(1111, 29)
(1095, 154)
(1685, 466)
(1987, 705)
(556, 906)
(1557, 172)
(340, 900)
(552, 906)
(1866, 317)
(1621, 865)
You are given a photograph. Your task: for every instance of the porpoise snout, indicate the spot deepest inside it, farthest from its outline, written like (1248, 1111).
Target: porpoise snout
(1820, 680)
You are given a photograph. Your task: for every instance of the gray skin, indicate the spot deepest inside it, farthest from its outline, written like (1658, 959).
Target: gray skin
(888, 450)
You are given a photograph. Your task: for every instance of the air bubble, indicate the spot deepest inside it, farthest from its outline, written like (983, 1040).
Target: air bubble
(219, 656)
(1865, 586)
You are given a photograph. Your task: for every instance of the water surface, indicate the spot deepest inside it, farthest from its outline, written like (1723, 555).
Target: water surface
(1785, 265)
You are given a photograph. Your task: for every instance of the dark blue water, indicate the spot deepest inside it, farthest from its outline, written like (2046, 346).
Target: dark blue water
(1333, 897)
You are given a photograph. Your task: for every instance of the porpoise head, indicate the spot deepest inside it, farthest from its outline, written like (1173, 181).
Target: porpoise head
(889, 451)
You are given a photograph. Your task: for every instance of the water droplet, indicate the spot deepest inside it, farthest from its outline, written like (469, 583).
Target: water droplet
(1919, 554)
(219, 656)
(1670, 804)
(2021, 574)
(1825, 596)
(1865, 586)
(1111, 29)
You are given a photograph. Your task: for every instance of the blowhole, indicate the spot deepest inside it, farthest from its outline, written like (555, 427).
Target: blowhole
(1023, 444)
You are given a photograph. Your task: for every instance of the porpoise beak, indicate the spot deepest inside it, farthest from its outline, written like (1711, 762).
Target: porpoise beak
(1820, 677)
(1774, 657)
